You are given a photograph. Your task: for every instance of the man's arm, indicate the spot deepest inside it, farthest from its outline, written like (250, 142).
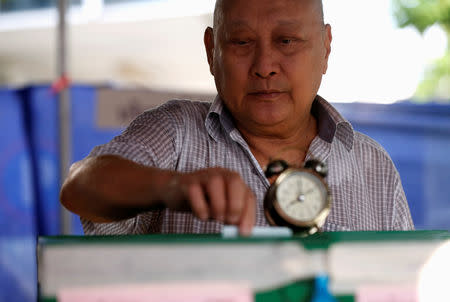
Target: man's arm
(110, 188)
(402, 220)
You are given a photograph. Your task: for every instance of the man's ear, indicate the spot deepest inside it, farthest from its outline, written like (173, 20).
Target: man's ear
(328, 37)
(208, 39)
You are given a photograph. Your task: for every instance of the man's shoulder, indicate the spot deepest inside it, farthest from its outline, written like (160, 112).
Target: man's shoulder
(185, 104)
(178, 111)
(365, 143)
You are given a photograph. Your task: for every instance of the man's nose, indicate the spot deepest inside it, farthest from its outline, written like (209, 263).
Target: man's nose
(264, 63)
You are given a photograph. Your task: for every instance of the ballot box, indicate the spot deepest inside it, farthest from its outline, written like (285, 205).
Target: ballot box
(347, 266)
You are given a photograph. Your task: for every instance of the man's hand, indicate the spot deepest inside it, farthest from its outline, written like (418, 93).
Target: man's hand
(109, 188)
(215, 193)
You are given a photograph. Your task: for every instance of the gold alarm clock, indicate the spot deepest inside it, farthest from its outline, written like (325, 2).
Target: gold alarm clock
(299, 198)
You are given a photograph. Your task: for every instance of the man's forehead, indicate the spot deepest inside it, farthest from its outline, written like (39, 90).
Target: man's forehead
(237, 23)
(221, 3)
(232, 13)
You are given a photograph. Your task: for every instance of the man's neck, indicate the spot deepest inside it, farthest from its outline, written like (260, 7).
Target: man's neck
(292, 146)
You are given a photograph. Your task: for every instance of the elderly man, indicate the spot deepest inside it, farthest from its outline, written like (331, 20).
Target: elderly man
(190, 167)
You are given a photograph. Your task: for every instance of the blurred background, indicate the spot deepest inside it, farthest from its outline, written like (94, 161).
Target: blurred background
(389, 74)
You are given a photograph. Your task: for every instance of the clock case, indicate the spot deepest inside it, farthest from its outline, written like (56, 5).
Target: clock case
(272, 210)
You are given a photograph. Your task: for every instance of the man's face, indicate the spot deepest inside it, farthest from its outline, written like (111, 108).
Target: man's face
(267, 58)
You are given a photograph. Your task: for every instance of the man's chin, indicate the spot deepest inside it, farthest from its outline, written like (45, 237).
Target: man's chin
(267, 121)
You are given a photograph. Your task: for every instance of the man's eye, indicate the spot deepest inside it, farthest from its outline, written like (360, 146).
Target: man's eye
(240, 42)
(287, 41)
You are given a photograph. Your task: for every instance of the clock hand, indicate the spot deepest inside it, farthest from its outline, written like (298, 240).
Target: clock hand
(307, 192)
(300, 198)
(293, 202)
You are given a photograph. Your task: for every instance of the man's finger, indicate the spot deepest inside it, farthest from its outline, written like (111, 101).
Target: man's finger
(249, 215)
(197, 201)
(215, 189)
(236, 192)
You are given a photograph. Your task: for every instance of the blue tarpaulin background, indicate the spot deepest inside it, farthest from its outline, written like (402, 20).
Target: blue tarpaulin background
(416, 136)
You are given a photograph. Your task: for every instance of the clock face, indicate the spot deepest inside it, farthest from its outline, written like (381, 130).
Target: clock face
(301, 196)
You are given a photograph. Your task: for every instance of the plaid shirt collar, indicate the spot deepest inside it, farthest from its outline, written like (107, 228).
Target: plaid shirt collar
(331, 123)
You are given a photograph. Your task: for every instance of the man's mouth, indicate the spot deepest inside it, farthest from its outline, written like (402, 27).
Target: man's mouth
(266, 94)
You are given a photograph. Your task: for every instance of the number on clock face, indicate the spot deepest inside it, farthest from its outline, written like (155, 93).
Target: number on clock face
(301, 196)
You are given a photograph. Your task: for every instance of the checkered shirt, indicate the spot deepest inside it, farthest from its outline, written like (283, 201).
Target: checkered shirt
(185, 136)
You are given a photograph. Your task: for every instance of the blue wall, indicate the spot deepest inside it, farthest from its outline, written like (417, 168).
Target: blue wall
(41, 113)
(17, 208)
(29, 176)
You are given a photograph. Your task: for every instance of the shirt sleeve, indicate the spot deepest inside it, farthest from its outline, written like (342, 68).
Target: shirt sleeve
(402, 220)
(400, 216)
(150, 140)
